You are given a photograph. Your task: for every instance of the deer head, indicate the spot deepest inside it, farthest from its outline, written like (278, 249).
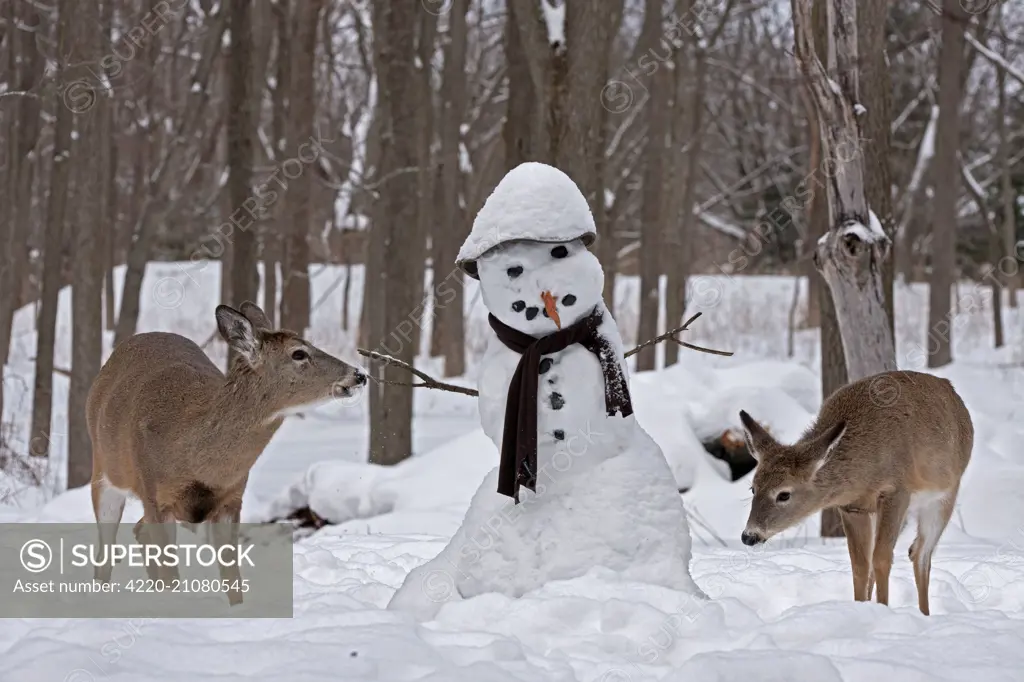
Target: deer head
(786, 486)
(278, 364)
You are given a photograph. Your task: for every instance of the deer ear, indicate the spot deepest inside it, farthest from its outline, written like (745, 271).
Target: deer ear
(830, 440)
(755, 435)
(255, 314)
(238, 331)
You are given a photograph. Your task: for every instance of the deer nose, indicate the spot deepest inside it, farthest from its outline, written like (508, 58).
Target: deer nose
(360, 378)
(750, 539)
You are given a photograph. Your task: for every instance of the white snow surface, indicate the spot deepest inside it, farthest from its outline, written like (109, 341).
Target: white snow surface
(868, 235)
(782, 611)
(534, 201)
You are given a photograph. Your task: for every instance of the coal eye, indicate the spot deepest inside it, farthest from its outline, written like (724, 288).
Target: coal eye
(514, 271)
(559, 252)
(782, 497)
(300, 355)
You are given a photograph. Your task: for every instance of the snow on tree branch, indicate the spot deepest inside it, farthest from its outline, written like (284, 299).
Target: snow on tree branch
(554, 19)
(995, 58)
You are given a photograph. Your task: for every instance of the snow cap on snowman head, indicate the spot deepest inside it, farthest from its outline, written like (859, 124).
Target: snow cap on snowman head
(528, 248)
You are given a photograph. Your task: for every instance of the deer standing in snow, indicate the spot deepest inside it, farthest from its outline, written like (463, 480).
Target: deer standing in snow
(880, 447)
(170, 428)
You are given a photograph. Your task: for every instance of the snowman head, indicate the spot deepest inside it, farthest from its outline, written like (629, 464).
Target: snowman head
(540, 287)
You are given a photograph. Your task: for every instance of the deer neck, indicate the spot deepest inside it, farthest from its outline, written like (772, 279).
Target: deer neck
(239, 420)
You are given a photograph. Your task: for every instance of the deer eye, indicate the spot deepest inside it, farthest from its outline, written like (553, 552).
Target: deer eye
(299, 355)
(782, 497)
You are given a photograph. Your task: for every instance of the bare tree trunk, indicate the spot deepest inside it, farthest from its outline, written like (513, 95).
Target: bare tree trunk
(833, 360)
(517, 129)
(679, 247)
(87, 265)
(110, 221)
(947, 176)
(607, 252)
(588, 25)
(425, 213)
(295, 300)
(449, 329)
(240, 124)
(876, 127)
(577, 119)
(225, 244)
(15, 230)
(25, 66)
(272, 234)
(394, 48)
(264, 34)
(545, 64)
(53, 246)
(853, 251)
(1006, 193)
(817, 217)
(651, 231)
(833, 368)
(997, 289)
(373, 296)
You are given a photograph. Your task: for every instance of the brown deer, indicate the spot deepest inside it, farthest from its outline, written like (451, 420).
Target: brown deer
(168, 427)
(881, 447)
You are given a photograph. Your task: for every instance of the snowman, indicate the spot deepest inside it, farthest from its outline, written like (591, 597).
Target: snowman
(580, 488)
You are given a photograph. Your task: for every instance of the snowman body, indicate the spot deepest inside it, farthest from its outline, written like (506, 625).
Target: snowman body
(606, 502)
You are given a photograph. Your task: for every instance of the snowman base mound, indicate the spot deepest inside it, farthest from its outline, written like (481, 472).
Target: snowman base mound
(623, 515)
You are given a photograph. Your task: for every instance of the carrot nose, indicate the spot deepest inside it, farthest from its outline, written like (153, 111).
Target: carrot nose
(549, 305)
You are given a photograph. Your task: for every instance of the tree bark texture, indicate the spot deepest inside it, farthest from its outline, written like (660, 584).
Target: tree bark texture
(88, 151)
(53, 253)
(851, 255)
(394, 48)
(240, 125)
(653, 181)
(947, 185)
(295, 299)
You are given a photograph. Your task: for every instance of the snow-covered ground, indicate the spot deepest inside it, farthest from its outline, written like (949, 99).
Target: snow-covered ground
(782, 611)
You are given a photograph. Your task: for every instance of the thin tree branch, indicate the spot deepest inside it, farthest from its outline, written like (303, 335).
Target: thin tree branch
(671, 335)
(428, 381)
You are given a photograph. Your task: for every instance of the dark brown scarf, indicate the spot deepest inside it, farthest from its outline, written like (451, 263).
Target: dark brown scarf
(519, 440)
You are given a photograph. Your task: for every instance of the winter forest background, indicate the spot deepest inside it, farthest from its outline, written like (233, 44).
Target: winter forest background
(284, 148)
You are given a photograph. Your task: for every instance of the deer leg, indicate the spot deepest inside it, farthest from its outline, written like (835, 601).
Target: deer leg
(157, 528)
(168, 530)
(892, 513)
(871, 575)
(108, 506)
(224, 533)
(931, 522)
(859, 530)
